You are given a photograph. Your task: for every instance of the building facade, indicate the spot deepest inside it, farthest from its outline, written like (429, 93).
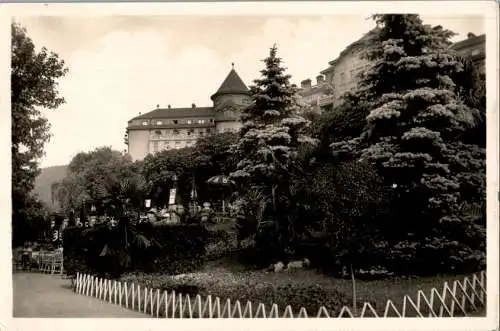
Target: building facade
(315, 95)
(174, 128)
(341, 76)
(474, 47)
(343, 73)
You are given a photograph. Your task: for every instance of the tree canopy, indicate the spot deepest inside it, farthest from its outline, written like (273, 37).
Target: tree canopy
(34, 89)
(414, 134)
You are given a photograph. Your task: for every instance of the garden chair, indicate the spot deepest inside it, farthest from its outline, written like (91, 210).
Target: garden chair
(44, 262)
(56, 263)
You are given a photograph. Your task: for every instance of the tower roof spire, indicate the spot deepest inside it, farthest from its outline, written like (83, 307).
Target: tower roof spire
(232, 84)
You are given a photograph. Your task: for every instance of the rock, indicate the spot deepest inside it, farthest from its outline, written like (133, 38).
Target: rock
(295, 265)
(278, 267)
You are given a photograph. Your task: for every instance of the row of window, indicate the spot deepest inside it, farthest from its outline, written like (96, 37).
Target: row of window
(165, 145)
(161, 133)
(162, 122)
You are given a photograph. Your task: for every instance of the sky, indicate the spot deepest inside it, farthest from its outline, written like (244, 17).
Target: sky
(120, 66)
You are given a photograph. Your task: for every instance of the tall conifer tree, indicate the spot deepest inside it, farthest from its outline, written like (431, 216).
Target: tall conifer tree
(270, 139)
(414, 134)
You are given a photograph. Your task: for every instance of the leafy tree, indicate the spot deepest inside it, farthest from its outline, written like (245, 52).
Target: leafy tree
(104, 176)
(171, 168)
(414, 134)
(34, 78)
(214, 158)
(268, 148)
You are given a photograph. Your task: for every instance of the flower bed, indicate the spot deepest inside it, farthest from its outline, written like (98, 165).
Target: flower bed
(249, 286)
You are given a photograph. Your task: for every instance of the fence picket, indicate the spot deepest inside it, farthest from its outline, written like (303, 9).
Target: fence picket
(173, 297)
(226, 309)
(303, 313)
(288, 312)
(262, 310)
(368, 307)
(412, 304)
(390, 304)
(248, 312)
(158, 298)
(187, 306)
(133, 296)
(323, 313)
(198, 304)
(120, 295)
(274, 311)
(126, 295)
(344, 310)
(236, 312)
(165, 294)
(422, 298)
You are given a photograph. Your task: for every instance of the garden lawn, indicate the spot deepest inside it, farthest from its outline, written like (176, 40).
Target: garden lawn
(297, 288)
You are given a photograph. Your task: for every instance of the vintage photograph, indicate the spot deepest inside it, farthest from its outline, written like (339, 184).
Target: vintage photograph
(224, 166)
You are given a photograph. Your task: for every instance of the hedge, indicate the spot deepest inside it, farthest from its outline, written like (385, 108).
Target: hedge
(173, 249)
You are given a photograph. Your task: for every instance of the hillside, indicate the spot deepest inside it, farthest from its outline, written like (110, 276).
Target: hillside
(44, 182)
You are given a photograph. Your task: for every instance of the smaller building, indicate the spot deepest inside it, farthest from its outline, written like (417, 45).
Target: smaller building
(317, 96)
(474, 47)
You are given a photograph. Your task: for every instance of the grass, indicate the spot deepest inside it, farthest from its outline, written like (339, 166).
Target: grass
(228, 279)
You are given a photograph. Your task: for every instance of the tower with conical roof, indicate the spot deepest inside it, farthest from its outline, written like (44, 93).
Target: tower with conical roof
(229, 100)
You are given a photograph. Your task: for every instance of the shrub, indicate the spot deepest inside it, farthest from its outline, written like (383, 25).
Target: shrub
(103, 250)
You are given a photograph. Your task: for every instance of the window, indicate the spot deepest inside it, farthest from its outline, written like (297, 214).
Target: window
(155, 146)
(189, 122)
(176, 121)
(159, 123)
(211, 120)
(201, 132)
(201, 121)
(475, 52)
(209, 130)
(176, 131)
(145, 123)
(177, 144)
(190, 131)
(158, 132)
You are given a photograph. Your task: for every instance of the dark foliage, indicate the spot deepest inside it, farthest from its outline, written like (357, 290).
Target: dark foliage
(110, 251)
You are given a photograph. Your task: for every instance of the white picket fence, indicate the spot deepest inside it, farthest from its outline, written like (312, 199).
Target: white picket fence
(460, 298)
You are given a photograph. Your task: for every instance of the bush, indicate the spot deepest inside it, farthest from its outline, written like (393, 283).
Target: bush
(102, 250)
(220, 243)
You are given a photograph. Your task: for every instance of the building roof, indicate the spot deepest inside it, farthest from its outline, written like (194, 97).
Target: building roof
(471, 41)
(356, 46)
(232, 84)
(177, 113)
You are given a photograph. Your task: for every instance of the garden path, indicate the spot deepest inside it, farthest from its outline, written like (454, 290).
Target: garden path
(42, 295)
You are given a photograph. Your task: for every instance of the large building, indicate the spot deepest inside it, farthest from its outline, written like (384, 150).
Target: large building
(342, 75)
(174, 128)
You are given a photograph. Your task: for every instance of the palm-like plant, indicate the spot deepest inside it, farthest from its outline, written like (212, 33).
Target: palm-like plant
(118, 243)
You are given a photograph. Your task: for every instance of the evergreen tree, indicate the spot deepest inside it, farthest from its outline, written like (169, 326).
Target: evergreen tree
(271, 139)
(414, 134)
